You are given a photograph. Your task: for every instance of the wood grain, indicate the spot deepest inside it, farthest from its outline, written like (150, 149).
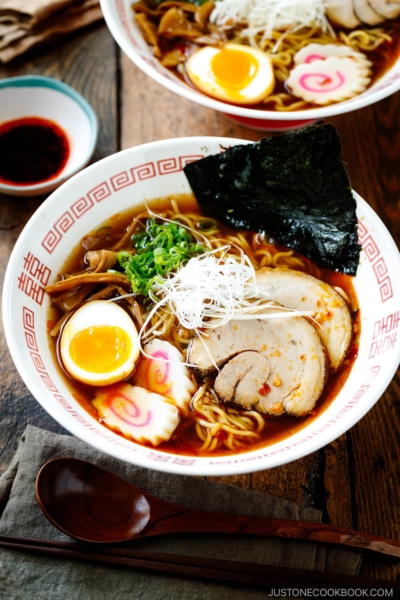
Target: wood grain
(375, 472)
(337, 483)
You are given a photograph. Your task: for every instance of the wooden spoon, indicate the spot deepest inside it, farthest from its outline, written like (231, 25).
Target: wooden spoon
(91, 504)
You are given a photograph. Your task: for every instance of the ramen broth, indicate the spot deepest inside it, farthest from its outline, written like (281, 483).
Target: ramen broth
(185, 440)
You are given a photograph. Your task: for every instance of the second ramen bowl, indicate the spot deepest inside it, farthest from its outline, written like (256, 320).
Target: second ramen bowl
(117, 184)
(121, 22)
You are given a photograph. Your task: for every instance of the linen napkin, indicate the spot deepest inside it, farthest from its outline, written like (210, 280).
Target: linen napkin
(23, 575)
(27, 23)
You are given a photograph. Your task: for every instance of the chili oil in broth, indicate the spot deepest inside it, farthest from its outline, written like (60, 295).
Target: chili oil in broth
(184, 440)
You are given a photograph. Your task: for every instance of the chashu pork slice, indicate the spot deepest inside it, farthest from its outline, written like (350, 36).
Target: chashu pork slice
(389, 9)
(342, 13)
(271, 365)
(366, 13)
(300, 291)
(242, 378)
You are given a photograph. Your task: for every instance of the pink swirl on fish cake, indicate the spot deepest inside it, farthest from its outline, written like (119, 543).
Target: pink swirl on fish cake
(311, 57)
(303, 82)
(159, 371)
(123, 412)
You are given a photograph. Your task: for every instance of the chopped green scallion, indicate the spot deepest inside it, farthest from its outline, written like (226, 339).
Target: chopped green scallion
(160, 248)
(104, 232)
(207, 225)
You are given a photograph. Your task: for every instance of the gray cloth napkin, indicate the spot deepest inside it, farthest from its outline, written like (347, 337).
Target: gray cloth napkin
(24, 575)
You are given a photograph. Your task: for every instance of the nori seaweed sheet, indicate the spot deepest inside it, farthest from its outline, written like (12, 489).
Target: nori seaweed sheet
(294, 187)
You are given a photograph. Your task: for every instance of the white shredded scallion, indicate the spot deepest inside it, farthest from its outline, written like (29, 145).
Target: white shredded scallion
(262, 17)
(211, 290)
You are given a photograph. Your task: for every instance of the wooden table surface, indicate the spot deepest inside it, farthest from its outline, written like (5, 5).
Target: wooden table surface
(355, 480)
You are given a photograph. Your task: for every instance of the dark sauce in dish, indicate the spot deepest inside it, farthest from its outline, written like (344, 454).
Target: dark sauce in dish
(32, 150)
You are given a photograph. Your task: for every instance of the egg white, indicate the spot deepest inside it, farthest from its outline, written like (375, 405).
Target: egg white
(92, 314)
(200, 73)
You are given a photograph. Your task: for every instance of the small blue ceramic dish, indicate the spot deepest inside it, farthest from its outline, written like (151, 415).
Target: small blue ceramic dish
(45, 100)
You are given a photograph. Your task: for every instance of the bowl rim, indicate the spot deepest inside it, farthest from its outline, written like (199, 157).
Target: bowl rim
(203, 467)
(109, 10)
(42, 81)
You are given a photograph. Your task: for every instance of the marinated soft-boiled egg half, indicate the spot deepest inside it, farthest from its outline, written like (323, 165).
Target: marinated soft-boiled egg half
(234, 73)
(99, 344)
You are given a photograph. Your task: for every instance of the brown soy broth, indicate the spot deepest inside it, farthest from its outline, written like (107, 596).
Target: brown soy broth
(384, 57)
(185, 438)
(107, 233)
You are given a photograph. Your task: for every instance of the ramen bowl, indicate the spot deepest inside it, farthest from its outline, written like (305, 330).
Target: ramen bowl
(130, 178)
(34, 99)
(121, 22)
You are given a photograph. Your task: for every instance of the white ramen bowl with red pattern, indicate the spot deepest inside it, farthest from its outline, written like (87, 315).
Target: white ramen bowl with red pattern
(121, 22)
(129, 178)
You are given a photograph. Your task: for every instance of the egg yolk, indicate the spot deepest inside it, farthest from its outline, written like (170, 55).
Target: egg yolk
(233, 68)
(100, 349)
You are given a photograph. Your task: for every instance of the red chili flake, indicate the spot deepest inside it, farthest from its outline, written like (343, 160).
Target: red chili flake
(264, 390)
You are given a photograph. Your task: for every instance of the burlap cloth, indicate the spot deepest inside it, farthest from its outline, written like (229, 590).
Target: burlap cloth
(25, 576)
(27, 23)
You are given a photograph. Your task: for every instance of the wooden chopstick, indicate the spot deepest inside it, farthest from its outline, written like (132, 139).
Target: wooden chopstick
(224, 571)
